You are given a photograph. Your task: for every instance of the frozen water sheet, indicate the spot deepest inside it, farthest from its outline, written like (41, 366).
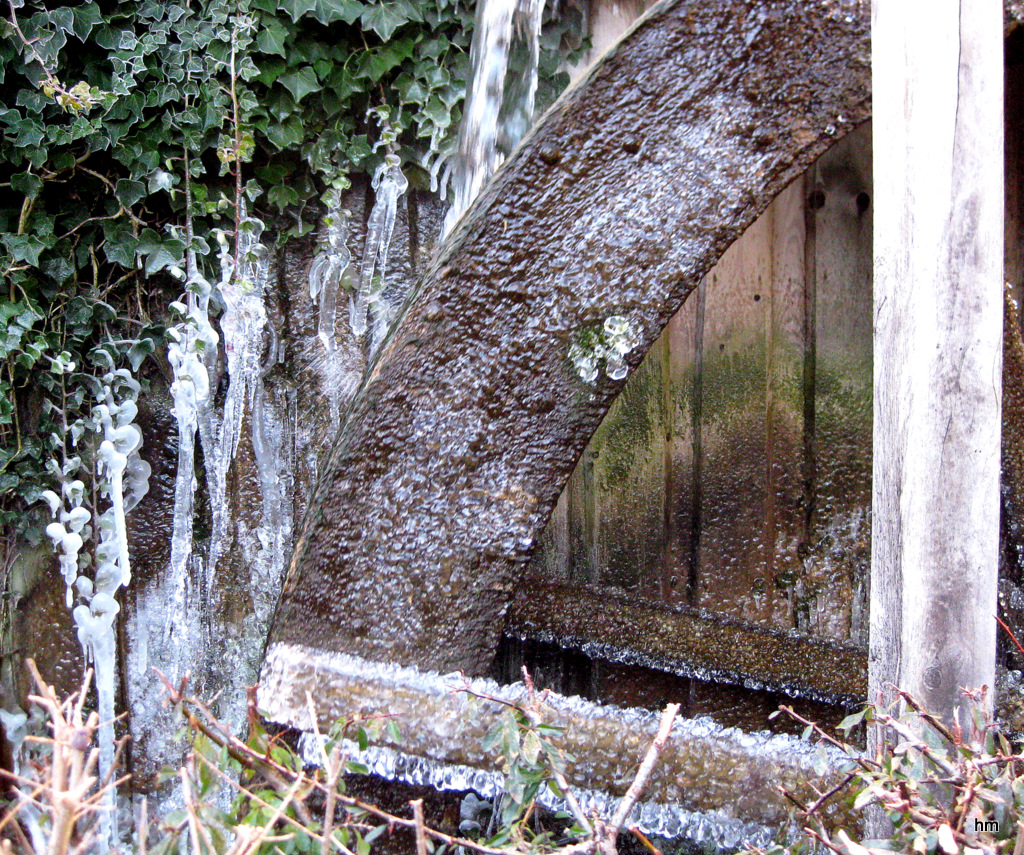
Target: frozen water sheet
(710, 783)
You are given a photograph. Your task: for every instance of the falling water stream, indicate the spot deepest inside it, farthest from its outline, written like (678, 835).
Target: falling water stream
(500, 97)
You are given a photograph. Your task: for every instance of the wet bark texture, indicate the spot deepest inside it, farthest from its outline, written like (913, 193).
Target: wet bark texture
(686, 641)
(620, 200)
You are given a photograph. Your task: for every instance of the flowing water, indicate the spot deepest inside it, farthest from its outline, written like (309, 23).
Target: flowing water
(500, 96)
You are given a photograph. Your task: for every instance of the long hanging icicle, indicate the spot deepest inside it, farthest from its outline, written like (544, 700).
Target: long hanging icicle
(326, 275)
(192, 342)
(244, 275)
(191, 350)
(242, 323)
(389, 183)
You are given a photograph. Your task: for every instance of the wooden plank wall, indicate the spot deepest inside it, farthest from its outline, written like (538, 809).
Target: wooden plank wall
(733, 471)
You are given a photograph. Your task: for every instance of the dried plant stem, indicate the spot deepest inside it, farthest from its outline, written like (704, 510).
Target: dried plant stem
(421, 835)
(334, 766)
(607, 843)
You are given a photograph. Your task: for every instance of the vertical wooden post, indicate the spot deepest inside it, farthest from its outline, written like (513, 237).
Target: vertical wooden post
(938, 146)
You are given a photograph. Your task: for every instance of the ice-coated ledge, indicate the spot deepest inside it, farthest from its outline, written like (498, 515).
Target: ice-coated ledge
(712, 782)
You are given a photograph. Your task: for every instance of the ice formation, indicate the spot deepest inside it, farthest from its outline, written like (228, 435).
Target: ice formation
(389, 183)
(612, 342)
(121, 477)
(500, 101)
(442, 734)
(192, 343)
(327, 271)
(242, 323)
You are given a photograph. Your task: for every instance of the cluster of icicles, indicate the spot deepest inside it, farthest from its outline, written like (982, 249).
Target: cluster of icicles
(328, 273)
(192, 352)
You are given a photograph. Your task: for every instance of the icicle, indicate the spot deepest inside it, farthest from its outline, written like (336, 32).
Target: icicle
(389, 183)
(242, 323)
(244, 275)
(191, 349)
(117, 453)
(327, 272)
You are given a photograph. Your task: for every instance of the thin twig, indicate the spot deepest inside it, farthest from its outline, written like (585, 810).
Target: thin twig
(640, 781)
(574, 806)
(824, 797)
(1009, 632)
(650, 847)
(333, 772)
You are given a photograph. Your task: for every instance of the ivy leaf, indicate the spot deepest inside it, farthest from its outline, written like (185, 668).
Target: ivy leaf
(128, 192)
(282, 195)
(24, 248)
(298, 8)
(329, 11)
(437, 76)
(286, 133)
(120, 245)
(439, 114)
(300, 83)
(87, 16)
(273, 37)
(384, 19)
(374, 64)
(29, 134)
(64, 18)
(168, 254)
(27, 183)
(270, 70)
(138, 352)
(59, 269)
(159, 253)
(275, 173)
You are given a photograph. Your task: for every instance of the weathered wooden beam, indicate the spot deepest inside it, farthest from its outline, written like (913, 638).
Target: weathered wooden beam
(687, 641)
(937, 78)
(443, 720)
(617, 203)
